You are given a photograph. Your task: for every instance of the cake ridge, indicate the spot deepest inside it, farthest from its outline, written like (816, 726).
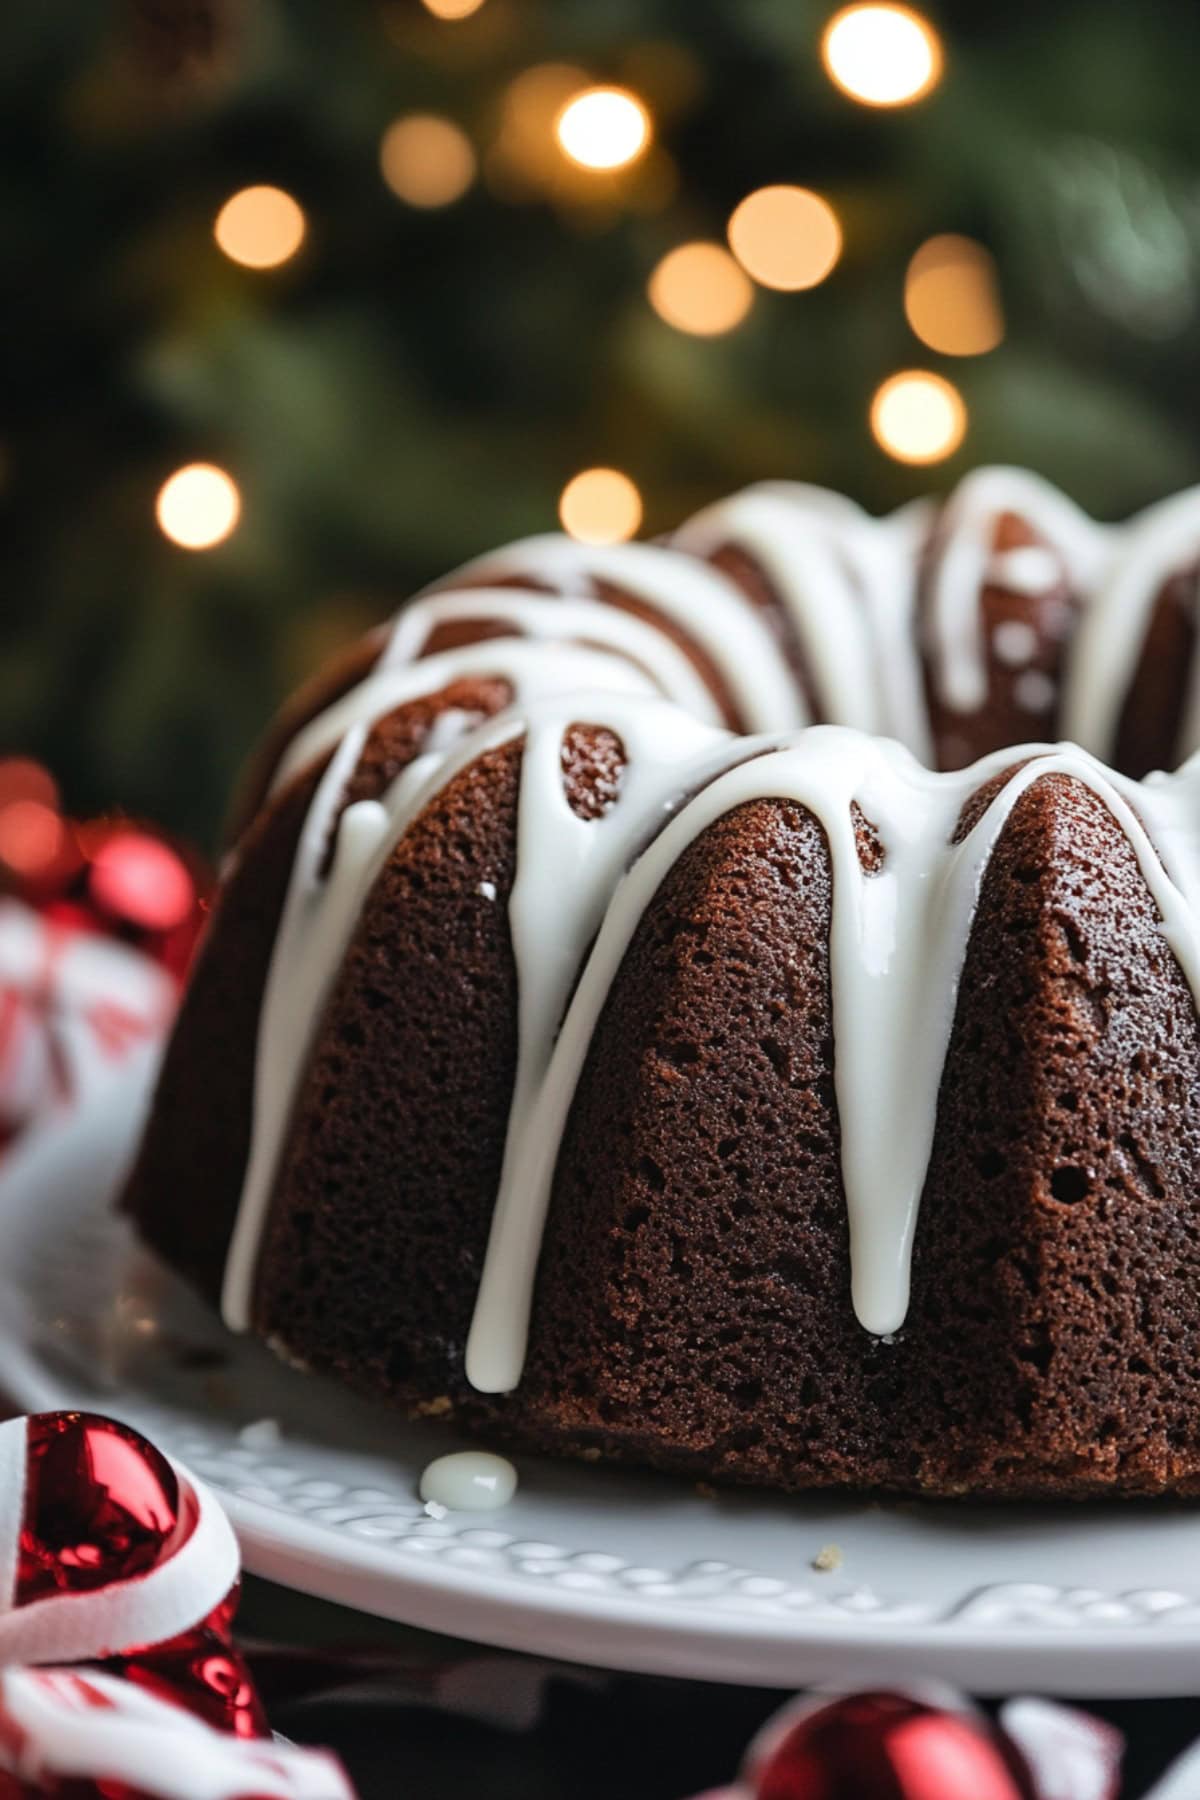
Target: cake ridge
(899, 935)
(515, 804)
(323, 905)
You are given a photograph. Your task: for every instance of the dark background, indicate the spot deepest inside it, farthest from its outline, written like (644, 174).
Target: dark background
(416, 384)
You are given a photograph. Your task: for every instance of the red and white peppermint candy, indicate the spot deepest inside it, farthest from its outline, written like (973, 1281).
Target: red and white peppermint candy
(86, 1727)
(106, 1546)
(73, 1003)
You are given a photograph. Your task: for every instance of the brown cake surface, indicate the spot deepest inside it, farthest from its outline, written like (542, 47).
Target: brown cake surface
(693, 1308)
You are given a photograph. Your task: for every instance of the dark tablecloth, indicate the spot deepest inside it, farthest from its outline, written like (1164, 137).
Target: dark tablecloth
(420, 1717)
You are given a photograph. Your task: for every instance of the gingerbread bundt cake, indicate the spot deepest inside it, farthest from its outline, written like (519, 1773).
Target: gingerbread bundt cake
(583, 1049)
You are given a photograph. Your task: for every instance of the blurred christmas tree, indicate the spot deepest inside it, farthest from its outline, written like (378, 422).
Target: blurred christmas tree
(458, 314)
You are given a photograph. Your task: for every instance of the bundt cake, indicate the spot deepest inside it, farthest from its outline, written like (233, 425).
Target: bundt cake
(659, 1008)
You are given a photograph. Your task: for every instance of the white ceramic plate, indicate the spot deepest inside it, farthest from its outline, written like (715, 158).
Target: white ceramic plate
(630, 1572)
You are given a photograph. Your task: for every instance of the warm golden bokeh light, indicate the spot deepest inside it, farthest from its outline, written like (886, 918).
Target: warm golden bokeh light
(600, 506)
(260, 227)
(452, 9)
(198, 506)
(786, 237)
(700, 288)
(427, 160)
(882, 55)
(951, 296)
(603, 128)
(918, 417)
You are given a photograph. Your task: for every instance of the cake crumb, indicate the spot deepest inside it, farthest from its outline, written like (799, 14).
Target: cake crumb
(706, 1490)
(276, 1344)
(433, 1409)
(261, 1434)
(591, 1454)
(828, 1558)
(435, 1510)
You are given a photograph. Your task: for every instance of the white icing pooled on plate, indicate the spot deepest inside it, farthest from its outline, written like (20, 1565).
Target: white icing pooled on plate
(469, 1481)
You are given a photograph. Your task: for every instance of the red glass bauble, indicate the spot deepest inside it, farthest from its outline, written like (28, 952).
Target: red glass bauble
(139, 879)
(891, 1747)
(202, 1671)
(101, 1505)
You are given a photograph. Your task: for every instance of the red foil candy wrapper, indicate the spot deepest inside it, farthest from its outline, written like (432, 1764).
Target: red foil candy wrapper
(892, 1747)
(101, 1511)
(101, 1505)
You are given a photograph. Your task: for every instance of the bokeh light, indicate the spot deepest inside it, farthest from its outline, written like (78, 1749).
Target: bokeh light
(452, 9)
(882, 55)
(198, 506)
(603, 128)
(427, 160)
(600, 506)
(139, 878)
(786, 237)
(21, 778)
(918, 417)
(700, 288)
(951, 296)
(31, 836)
(260, 227)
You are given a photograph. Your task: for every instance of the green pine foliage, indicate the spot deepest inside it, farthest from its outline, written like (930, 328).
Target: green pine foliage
(416, 385)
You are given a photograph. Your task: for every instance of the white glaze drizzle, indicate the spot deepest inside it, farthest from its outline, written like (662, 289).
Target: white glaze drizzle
(898, 941)
(592, 624)
(322, 905)
(966, 561)
(469, 1481)
(847, 582)
(567, 868)
(533, 666)
(703, 603)
(1150, 549)
(552, 917)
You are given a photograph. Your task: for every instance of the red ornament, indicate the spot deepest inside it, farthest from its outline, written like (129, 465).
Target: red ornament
(138, 878)
(202, 1671)
(109, 876)
(890, 1747)
(103, 1506)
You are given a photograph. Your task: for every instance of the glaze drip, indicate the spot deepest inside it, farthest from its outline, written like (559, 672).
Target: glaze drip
(900, 932)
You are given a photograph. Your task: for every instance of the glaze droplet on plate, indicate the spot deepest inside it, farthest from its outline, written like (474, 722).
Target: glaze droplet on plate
(469, 1481)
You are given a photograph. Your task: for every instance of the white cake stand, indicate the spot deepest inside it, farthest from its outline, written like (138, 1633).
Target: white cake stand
(637, 1573)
